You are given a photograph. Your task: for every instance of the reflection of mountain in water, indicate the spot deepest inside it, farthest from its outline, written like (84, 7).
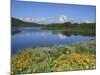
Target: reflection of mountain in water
(61, 36)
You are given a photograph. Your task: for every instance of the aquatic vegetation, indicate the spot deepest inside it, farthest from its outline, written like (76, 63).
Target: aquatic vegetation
(79, 56)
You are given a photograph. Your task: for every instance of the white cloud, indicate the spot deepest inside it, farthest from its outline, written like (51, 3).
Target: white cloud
(41, 20)
(88, 21)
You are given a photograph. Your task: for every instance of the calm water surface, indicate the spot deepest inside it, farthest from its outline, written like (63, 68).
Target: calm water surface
(33, 37)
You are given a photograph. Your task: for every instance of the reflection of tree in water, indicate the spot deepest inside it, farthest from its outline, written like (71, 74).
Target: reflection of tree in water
(14, 31)
(83, 33)
(69, 33)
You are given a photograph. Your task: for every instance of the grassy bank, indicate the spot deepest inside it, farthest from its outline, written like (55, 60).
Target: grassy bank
(69, 26)
(79, 56)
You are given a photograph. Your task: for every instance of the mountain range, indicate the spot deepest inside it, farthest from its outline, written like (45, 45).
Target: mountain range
(42, 20)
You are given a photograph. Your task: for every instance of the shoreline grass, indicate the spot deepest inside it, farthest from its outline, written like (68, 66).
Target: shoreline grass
(79, 56)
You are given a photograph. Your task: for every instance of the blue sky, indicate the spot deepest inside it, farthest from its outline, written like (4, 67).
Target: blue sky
(48, 11)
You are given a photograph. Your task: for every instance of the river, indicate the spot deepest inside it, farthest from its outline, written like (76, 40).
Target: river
(35, 36)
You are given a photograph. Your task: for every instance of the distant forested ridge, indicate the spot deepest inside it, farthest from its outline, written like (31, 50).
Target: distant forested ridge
(71, 26)
(19, 23)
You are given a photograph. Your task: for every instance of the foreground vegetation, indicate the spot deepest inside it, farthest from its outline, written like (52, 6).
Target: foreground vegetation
(79, 56)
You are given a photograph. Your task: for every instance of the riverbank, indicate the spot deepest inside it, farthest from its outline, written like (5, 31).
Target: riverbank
(69, 26)
(79, 56)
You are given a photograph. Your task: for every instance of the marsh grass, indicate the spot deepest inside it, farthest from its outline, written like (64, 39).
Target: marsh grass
(79, 56)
